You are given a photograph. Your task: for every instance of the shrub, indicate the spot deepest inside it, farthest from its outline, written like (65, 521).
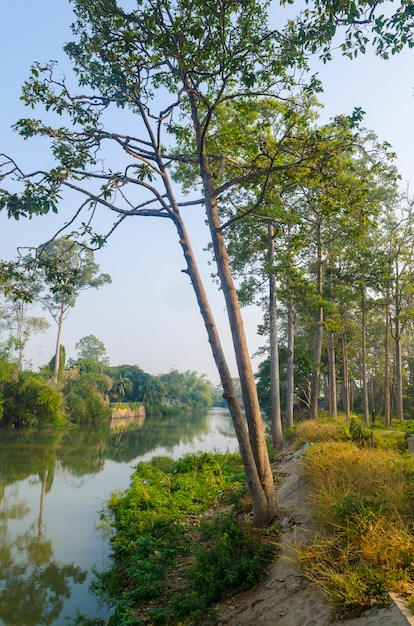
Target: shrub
(30, 401)
(312, 431)
(172, 557)
(85, 397)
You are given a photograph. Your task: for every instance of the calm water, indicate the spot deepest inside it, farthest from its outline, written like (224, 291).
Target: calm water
(52, 487)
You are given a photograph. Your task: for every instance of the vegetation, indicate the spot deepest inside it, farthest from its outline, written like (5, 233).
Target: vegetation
(362, 499)
(179, 545)
(88, 389)
(219, 109)
(26, 400)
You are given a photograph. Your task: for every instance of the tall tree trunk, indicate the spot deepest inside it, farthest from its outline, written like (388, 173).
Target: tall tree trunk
(399, 406)
(331, 348)
(58, 342)
(277, 433)
(387, 365)
(313, 409)
(332, 375)
(346, 401)
(291, 315)
(261, 500)
(19, 332)
(364, 359)
(399, 409)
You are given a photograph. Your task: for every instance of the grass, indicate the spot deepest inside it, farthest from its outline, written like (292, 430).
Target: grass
(179, 542)
(362, 500)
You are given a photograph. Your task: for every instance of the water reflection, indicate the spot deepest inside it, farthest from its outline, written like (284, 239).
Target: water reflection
(52, 486)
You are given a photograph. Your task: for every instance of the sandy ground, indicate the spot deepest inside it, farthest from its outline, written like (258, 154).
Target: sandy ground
(284, 597)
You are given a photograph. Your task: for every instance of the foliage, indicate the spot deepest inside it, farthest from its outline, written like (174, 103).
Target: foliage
(47, 370)
(85, 396)
(161, 527)
(303, 371)
(29, 401)
(314, 431)
(387, 27)
(90, 347)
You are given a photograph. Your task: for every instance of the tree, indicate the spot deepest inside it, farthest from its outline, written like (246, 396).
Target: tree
(21, 325)
(176, 67)
(90, 347)
(20, 289)
(67, 268)
(164, 63)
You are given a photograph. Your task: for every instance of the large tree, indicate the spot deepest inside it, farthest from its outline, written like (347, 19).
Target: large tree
(173, 66)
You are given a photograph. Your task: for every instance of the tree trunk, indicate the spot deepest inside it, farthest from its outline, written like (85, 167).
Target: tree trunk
(290, 365)
(346, 403)
(19, 333)
(331, 348)
(259, 475)
(262, 510)
(364, 359)
(276, 421)
(399, 407)
(332, 376)
(313, 409)
(58, 342)
(387, 389)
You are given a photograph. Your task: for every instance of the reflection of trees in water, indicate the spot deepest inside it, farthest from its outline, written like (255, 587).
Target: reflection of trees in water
(33, 586)
(167, 432)
(83, 451)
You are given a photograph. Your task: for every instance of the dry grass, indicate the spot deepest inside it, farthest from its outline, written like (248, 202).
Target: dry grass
(363, 503)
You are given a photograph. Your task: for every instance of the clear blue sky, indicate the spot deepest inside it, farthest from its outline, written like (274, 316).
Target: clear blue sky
(148, 316)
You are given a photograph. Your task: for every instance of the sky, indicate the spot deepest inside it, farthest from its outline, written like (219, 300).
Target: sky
(148, 315)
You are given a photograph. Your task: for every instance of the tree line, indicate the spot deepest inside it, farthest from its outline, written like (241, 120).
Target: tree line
(88, 387)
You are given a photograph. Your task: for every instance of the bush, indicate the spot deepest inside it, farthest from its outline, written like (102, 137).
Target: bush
(312, 431)
(85, 397)
(172, 555)
(31, 402)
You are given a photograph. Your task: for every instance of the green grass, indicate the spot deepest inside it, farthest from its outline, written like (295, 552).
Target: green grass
(178, 542)
(182, 538)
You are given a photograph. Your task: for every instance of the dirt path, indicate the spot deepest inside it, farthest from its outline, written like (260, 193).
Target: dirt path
(285, 598)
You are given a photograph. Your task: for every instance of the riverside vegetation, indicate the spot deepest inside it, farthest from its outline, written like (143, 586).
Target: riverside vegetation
(182, 537)
(86, 390)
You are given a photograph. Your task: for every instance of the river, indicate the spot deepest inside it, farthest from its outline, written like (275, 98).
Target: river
(53, 484)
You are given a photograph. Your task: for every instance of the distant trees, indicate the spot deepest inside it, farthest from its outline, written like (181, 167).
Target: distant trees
(66, 268)
(19, 291)
(161, 393)
(90, 347)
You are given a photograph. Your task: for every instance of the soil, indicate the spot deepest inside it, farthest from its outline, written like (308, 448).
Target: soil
(284, 597)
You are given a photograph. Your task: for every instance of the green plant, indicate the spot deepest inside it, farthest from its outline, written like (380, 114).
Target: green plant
(173, 554)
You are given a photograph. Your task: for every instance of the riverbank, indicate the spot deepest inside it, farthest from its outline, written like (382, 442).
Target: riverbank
(285, 597)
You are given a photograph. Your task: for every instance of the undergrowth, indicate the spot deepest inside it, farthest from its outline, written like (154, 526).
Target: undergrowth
(363, 503)
(178, 543)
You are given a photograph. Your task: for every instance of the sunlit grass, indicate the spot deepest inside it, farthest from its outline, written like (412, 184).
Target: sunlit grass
(363, 504)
